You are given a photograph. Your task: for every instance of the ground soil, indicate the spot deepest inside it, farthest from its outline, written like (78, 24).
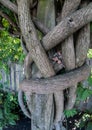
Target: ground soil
(25, 124)
(22, 124)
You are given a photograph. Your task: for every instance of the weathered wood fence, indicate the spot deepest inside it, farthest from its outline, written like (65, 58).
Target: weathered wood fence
(11, 80)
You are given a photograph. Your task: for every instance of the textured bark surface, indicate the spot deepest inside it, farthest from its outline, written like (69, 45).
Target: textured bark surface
(68, 51)
(68, 26)
(82, 45)
(29, 33)
(28, 66)
(22, 105)
(83, 41)
(42, 105)
(56, 83)
(10, 5)
(41, 119)
(41, 115)
(59, 102)
(31, 69)
(69, 7)
(44, 85)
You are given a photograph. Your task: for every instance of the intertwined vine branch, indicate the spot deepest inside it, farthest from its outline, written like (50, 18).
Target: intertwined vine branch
(35, 49)
(73, 52)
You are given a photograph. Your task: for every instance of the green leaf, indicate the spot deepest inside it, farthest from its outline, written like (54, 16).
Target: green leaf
(89, 126)
(89, 54)
(90, 80)
(70, 113)
(5, 23)
(1, 114)
(0, 76)
(85, 95)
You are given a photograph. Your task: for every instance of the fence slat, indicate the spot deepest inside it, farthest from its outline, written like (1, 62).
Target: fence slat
(11, 81)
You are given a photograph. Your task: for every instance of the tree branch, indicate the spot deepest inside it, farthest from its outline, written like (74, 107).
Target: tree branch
(13, 7)
(9, 5)
(82, 42)
(68, 26)
(22, 105)
(57, 83)
(30, 36)
(41, 27)
(68, 51)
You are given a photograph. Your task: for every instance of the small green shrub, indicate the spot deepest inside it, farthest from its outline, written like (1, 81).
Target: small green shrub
(8, 107)
(70, 113)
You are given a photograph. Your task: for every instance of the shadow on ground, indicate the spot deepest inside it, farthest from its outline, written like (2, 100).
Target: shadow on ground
(23, 124)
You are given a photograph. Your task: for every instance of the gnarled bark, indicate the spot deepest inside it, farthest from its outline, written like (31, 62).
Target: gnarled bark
(82, 42)
(40, 120)
(68, 51)
(56, 83)
(22, 105)
(68, 26)
(40, 104)
(29, 33)
(43, 110)
(10, 5)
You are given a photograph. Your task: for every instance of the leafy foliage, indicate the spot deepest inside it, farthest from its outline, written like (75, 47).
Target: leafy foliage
(10, 49)
(8, 106)
(89, 54)
(83, 93)
(85, 121)
(70, 113)
(89, 126)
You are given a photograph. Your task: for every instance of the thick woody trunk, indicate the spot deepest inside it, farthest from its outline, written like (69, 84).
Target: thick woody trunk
(42, 105)
(43, 89)
(39, 92)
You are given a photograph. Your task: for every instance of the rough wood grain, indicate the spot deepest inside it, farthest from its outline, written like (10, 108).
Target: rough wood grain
(59, 101)
(57, 83)
(39, 56)
(30, 35)
(82, 45)
(65, 28)
(10, 5)
(22, 105)
(83, 41)
(68, 26)
(42, 105)
(13, 7)
(68, 51)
